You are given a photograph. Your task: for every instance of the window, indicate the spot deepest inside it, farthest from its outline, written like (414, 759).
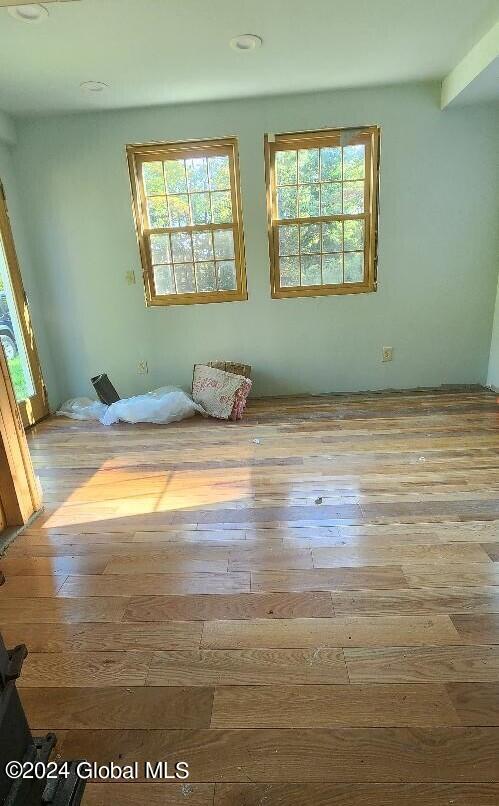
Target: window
(188, 217)
(322, 194)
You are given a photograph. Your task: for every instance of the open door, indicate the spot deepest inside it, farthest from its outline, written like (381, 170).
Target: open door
(16, 332)
(20, 493)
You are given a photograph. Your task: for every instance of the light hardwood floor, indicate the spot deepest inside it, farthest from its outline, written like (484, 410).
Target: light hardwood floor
(304, 606)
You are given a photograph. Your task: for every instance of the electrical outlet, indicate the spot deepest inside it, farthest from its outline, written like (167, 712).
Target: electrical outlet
(387, 354)
(142, 368)
(130, 277)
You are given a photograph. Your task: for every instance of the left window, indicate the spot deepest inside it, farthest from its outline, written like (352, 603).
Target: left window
(187, 208)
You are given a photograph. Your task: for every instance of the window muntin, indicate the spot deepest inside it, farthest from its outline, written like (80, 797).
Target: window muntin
(322, 190)
(188, 218)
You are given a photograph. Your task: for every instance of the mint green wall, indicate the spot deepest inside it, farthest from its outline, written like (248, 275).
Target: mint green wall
(30, 279)
(437, 261)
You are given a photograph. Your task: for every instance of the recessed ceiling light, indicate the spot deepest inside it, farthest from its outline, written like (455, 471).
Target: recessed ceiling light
(93, 86)
(32, 12)
(246, 42)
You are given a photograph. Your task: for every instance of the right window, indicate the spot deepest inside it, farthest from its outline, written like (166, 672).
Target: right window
(322, 200)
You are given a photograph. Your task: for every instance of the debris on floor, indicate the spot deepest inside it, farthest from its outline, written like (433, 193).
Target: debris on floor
(161, 406)
(82, 408)
(221, 392)
(105, 390)
(219, 389)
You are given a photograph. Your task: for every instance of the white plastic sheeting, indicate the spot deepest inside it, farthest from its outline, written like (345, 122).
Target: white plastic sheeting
(82, 408)
(165, 405)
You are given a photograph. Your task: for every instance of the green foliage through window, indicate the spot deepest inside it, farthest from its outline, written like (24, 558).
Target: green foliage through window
(188, 210)
(322, 197)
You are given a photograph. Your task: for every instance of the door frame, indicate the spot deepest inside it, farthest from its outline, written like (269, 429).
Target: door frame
(20, 491)
(36, 407)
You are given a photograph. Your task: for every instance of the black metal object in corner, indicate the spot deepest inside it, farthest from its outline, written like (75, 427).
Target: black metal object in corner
(18, 744)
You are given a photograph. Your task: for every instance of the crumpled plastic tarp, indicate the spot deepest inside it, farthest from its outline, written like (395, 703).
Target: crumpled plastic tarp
(165, 405)
(82, 408)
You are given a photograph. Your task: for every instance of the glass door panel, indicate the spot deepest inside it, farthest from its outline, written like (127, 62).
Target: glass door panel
(11, 336)
(16, 334)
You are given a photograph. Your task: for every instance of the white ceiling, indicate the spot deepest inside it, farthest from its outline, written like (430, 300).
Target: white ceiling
(171, 51)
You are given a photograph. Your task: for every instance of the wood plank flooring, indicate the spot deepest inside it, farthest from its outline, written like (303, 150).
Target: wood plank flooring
(304, 606)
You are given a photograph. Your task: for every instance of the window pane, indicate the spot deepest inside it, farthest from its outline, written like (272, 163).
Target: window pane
(152, 175)
(180, 215)
(221, 207)
(157, 212)
(310, 238)
(285, 167)
(332, 269)
(181, 247)
(163, 280)
(354, 267)
(219, 173)
(203, 246)
(200, 206)
(353, 197)
(288, 240)
(311, 270)
(160, 249)
(309, 200)
(330, 164)
(308, 165)
(175, 176)
(224, 243)
(185, 278)
(286, 203)
(289, 268)
(226, 275)
(206, 276)
(197, 174)
(353, 162)
(331, 199)
(332, 240)
(353, 234)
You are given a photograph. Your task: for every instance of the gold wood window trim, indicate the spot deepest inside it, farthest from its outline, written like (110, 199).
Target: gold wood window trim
(137, 155)
(368, 136)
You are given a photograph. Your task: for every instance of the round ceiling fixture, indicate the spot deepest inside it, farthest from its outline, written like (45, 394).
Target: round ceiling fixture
(245, 42)
(93, 86)
(32, 12)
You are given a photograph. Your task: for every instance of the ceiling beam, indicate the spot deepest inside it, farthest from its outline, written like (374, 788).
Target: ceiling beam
(478, 59)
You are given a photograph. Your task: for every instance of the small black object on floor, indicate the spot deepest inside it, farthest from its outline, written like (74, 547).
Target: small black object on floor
(17, 744)
(105, 390)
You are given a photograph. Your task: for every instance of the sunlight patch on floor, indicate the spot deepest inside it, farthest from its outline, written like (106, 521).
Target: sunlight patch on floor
(98, 498)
